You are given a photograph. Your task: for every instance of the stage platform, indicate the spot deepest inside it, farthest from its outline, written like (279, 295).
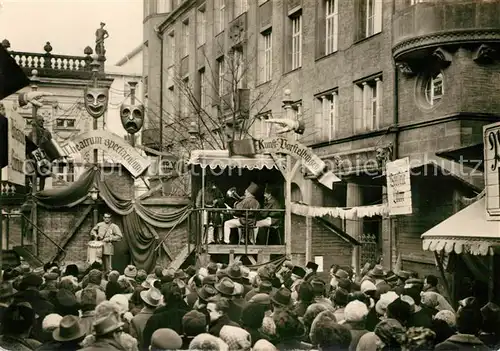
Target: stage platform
(257, 254)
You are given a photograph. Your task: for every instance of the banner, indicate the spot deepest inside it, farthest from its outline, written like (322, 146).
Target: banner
(399, 187)
(491, 135)
(113, 145)
(14, 172)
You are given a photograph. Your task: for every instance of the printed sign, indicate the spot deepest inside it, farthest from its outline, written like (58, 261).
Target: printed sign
(399, 187)
(310, 160)
(113, 145)
(14, 172)
(491, 134)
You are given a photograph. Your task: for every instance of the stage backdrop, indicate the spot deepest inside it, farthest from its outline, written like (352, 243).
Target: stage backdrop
(137, 220)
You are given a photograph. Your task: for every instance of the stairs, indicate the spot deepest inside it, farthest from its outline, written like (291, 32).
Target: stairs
(181, 257)
(26, 252)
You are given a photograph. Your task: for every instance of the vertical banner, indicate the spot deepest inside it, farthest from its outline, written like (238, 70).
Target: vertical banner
(399, 187)
(14, 172)
(491, 134)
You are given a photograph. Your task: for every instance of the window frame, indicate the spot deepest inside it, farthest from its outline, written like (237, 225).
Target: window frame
(296, 40)
(221, 72)
(430, 86)
(331, 26)
(201, 25)
(267, 54)
(186, 37)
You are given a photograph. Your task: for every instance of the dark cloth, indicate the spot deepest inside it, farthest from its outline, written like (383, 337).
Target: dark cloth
(462, 342)
(247, 203)
(357, 331)
(12, 76)
(170, 317)
(272, 204)
(104, 345)
(138, 324)
(191, 299)
(186, 340)
(60, 346)
(235, 309)
(256, 335)
(300, 308)
(293, 345)
(491, 340)
(215, 327)
(41, 307)
(372, 319)
(112, 289)
(4, 141)
(422, 318)
(16, 343)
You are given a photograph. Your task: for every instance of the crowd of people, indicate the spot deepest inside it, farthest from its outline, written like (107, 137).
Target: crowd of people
(220, 307)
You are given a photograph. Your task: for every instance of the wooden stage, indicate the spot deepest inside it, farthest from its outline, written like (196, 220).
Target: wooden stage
(262, 252)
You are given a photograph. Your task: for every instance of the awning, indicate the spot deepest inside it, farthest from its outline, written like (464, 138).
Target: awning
(467, 231)
(221, 159)
(471, 156)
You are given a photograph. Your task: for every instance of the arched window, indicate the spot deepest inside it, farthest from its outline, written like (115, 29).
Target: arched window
(434, 88)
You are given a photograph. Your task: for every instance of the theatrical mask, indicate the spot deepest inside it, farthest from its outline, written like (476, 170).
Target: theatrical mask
(96, 101)
(132, 117)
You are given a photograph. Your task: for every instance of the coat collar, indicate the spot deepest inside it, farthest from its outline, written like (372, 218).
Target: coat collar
(465, 339)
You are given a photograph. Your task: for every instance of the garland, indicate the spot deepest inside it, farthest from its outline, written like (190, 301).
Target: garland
(466, 201)
(340, 212)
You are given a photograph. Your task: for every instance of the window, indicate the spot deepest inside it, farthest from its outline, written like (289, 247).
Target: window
(220, 15)
(331, 26)
(368, 104)
(203, 88)
(65, 123)
(413, 2)
(326, 116)
(296, 41)
(185, 94)
(238, 69)
(171, 49)
(60, 123)
(240, 7)
(170, 104)
(70, 123)
(220, 76)
(434, 89)
(185, 38)
(265, 128)
(201, 27)
(266, 55)
(373, 17)
(70, 174)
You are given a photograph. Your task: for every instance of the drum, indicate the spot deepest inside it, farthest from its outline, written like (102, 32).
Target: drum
(94, 251)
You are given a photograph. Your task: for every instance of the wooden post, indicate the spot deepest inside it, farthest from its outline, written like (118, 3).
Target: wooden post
(287, 106)
(445, 281)
(491, 278)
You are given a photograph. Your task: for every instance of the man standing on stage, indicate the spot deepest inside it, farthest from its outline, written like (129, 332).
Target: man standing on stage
(108, 233)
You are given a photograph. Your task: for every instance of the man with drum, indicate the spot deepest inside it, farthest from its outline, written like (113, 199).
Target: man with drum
(107, 233)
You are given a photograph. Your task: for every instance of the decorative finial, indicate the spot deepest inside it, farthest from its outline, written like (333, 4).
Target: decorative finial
(88, 51)
(48, 48)
(6, 44)
(287, 97)
(34, 73)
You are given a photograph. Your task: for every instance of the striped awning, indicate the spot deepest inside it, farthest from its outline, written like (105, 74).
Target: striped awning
(467, 231)
(221, 159)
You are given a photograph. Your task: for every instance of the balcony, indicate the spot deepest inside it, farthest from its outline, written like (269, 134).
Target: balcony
(422, 27)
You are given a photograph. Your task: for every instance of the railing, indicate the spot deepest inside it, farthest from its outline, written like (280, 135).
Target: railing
(202, 220)
(49, 61)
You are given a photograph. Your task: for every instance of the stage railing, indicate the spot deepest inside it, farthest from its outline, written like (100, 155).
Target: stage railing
(206, 218)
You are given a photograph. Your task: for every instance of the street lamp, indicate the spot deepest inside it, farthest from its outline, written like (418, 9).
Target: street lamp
(193, 131)
(94, 195)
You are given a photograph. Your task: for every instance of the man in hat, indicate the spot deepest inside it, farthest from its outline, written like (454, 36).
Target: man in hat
(107, 332)
(151, 300)
(311, 269)
(268, 217)
(17, 323)
(107, 232)
(227, 289)
(67, 336)
(243, 218)
(218, 309)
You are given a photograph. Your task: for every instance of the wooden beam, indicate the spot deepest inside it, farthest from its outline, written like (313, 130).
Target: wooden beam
(250, 250)
(67, 237)
(252, 260)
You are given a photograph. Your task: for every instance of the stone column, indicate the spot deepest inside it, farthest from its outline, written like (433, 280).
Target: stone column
(354, 227)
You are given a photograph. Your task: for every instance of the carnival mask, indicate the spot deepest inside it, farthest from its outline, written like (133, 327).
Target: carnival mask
(96, 101)
(132, 117)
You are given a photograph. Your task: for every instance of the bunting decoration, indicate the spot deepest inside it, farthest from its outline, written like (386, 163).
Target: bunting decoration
(340, 212)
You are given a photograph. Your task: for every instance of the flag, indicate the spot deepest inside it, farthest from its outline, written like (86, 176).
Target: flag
(4, 141)
(12, 77)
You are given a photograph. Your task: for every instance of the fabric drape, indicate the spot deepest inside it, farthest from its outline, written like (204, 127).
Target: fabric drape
(138, 221)
(478, 266)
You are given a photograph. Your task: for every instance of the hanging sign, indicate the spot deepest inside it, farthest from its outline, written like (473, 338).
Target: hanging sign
(113, 145)
(491, 135)
(399, 187)
(14, 172)
(309, 159)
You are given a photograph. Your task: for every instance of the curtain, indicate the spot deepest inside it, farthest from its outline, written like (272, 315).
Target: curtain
(141, 241)
(478, 265)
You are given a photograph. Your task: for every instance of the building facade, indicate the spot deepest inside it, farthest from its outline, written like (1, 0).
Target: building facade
(374, 80)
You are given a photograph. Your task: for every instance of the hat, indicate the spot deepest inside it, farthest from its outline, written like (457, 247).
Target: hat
(106, 324)
(341, 274)
(6, 290)
(299, 271)
(234, 272)
(384, 301)
(31, 280)
(152, 296)
(239, 289)
(88, 297)
(165, 339)
(121, 301)
(312, 265)
(209, 280)
(130, 271)
(265, 286)
(206, 292)
(282, 297)
(252, 188)
(367, 286)
(50, 276)
(225, 286)
(318, 286)
(212, 268)
(391, 277)
(448, 317)
(69, 329)
(355, 311)
(491, 313)
(263, 345)
(236, 338)
(180, 274)
(95, 276)
(150, 280)
(403, 275)
(377, 272)
(66, 298)
(141, 276)
(391, 332)
(51, 322)
(414, 281)
(261, 299)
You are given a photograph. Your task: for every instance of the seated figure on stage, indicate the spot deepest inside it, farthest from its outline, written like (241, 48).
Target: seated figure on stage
(211, 220)
(269, 218)
(248, 202)
(108, 233)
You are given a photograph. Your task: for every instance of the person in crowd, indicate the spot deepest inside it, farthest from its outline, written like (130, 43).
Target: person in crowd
(391, 334)
(311, 313)
(17, 323)
(355, 321)
(340, 299)
(218, 309)
(243, 218)
(422, 315)
(431, 283)
(193, 323)
(289, 331)
(305, 299)
(151, 300)
(268, 217)
(327, 335)
(7, 293)
(319, 291)
(490, 330)
(252, 318)
(236, 338)
(418, 338)
(165, 339)
(88, 303)
(67, 336)
(399, 310)
(49, 324)
(107, 333)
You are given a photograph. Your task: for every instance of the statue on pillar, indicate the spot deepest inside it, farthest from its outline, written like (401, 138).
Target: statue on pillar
(101, 34)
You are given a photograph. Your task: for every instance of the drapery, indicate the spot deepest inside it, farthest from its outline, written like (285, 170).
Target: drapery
(339, 212)
(138, 220)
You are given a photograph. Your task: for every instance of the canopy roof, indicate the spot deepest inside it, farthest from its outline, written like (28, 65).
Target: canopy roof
(221, 159)
(471, 156)
(467, 231)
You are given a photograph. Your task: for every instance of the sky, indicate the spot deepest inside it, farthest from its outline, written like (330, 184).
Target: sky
(70, 25)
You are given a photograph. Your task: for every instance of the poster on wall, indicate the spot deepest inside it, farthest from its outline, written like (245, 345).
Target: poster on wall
(399, 187)
(491, 135)
(14, 172)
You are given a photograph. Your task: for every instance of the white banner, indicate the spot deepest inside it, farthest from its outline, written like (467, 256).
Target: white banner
(399, 187)
(491, 135)
(14, 172)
